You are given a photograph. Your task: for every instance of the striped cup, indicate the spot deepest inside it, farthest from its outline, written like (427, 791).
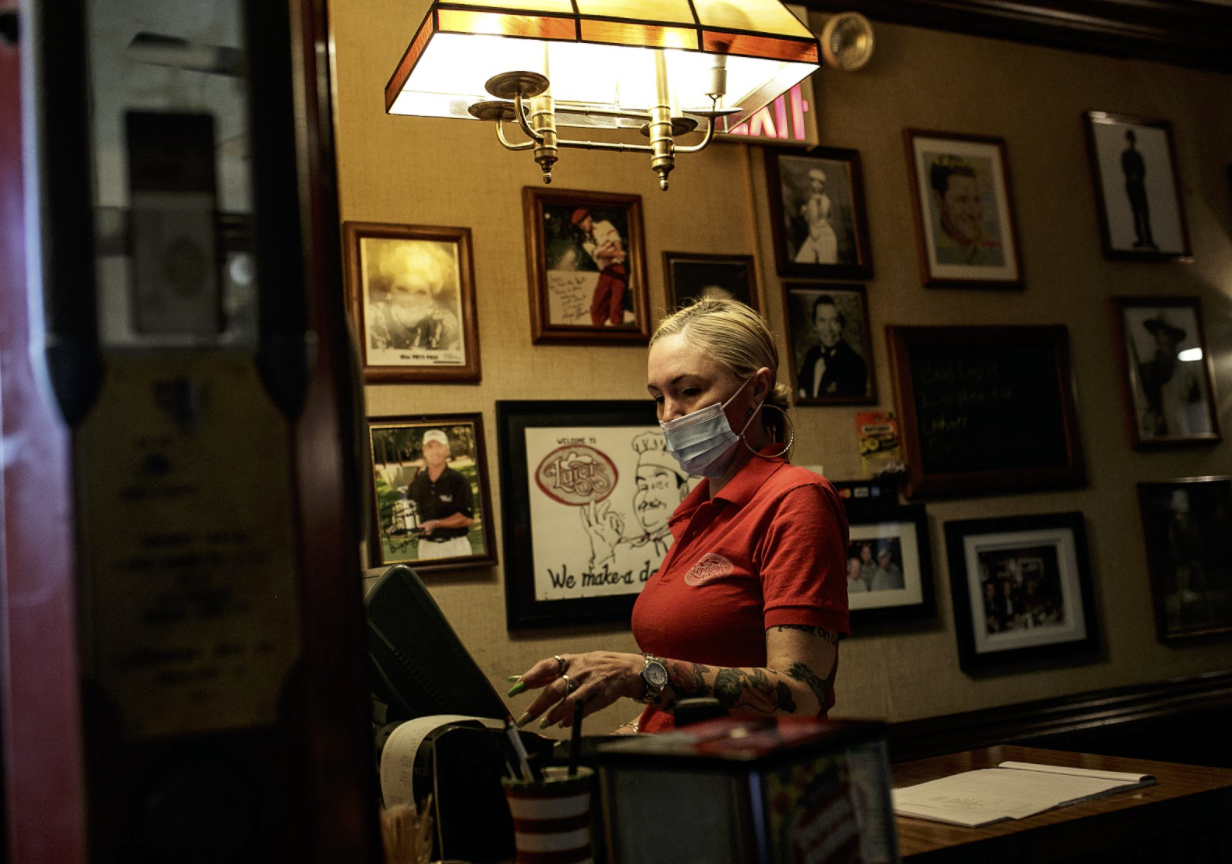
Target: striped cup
(551, 819)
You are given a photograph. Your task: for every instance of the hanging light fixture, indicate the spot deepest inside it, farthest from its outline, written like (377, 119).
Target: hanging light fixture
(665, 67)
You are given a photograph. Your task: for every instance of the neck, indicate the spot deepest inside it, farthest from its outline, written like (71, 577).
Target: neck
(755, 438)
(434, 471)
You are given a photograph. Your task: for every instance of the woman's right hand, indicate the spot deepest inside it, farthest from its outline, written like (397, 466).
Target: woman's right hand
(596, 678)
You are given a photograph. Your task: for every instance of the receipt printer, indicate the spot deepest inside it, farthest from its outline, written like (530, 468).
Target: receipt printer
(725, 791)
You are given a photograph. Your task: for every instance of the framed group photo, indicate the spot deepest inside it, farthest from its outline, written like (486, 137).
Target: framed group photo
(432, 507)
(986, 410)
(587, 265)
(830, 347)
(1168, 378)
(698, 277)
(1188, 529)
(889, 566)
(586, 491)
(1137, 187)
(412, 299)
(1022, 589)
(817, 213)
(964, 211)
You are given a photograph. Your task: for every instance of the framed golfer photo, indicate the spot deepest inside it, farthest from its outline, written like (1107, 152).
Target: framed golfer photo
(1137, 188)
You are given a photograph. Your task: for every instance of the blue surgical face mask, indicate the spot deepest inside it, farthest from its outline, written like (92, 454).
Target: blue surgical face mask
(703, 441)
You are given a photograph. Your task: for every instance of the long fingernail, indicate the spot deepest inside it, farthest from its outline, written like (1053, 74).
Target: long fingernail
(545, 723)
(517, 688)
(523, 720)
(513, 678)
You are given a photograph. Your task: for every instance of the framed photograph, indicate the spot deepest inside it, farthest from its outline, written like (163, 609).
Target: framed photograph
(412, 299)
(430, 482)
(889, 566)
(1167, 368)
(964, 211)
(586, 491)
(986, 409)
(587, 265)
(1137, 188)
(694, 277)
(1188, 528)
(1022, 589)
(831, 352)
(817, 213)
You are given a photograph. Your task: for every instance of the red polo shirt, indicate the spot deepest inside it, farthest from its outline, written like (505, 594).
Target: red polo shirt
(770, 549)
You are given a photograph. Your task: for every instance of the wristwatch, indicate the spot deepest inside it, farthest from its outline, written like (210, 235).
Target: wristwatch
(654, 679)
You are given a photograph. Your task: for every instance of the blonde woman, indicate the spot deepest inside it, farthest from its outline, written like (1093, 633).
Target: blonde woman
(751, 599)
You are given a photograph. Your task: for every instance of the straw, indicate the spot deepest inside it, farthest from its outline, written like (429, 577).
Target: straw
(519, 748)
(575, 737)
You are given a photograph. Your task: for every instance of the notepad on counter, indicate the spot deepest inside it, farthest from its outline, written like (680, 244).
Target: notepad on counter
(1012, 790)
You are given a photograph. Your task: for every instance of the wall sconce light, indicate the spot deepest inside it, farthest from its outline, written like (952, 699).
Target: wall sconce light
(663, 67)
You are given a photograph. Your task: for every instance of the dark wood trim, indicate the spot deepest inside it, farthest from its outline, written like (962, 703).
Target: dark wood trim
(1100, 710)
(1181, 32)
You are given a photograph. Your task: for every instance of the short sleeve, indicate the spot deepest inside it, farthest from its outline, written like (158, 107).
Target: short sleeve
(803, 555)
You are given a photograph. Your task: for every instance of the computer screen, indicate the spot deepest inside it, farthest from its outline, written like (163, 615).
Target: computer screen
(417, 663)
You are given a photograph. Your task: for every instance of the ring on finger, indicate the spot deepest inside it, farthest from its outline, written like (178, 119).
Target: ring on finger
(561, 664)
(570, 684)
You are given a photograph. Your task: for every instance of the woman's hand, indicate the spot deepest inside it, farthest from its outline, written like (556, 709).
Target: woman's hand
(597, 678)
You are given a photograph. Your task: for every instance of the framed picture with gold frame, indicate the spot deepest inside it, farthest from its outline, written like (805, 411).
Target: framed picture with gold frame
(587, 266)
(412, 299)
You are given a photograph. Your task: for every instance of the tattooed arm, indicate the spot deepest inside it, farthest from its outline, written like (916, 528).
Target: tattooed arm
(795, 680)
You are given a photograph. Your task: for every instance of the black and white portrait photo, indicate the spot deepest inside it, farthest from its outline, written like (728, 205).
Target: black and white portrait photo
(817, 204)
(700, 277)
(1136, 187)
(830, 348)
(1188, 528)
(1168, 371)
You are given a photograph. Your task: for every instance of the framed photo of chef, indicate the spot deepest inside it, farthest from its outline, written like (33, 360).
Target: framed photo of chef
(1137, 188)
(432, 508)
(830, 349)
(586, 492)
(1022, 589)
(889, 566)
(587, 264)
(1168, 379)
(964, 212)
(817, 213)
(412, 298)
(1188, 528)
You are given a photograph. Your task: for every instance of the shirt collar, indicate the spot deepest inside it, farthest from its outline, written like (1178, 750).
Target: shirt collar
(739, 489)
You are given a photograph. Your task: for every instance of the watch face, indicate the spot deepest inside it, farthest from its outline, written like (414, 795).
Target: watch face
(655, 674)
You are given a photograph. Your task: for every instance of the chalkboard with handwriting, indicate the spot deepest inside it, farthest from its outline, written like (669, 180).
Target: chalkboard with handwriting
(986, 409)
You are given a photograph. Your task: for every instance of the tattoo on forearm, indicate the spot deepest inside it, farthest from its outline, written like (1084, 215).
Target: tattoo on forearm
(819, 686)
(820, 633)
(736, 687)
(687, 680)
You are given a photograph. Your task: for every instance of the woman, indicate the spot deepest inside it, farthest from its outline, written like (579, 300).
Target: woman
(750, 600)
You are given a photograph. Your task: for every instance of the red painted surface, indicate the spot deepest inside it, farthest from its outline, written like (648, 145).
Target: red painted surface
(42, 747)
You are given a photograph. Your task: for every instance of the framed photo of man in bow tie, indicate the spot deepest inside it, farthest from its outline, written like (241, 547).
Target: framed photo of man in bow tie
(830, 351)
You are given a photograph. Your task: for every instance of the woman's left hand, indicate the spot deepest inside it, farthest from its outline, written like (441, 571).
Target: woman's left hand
(597, 678)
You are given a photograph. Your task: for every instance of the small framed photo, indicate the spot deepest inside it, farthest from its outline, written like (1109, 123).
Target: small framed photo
(587, 266)
(964, 211)
(1022, 589)
(1137, 188)
(817, 213)
(696, 277)
(831, 352)
(1188, 529)
(412, 298)
(889, 566)
(1167, 371)
(430, 482)
(986, 410)
(587, 489)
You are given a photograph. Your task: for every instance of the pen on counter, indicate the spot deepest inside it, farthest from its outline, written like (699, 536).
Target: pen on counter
(575, 737)
(519, 748)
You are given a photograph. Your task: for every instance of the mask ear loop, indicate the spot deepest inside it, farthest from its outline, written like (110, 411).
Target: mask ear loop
(790, 438)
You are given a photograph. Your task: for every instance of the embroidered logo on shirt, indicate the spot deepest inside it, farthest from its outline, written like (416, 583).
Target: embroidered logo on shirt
(711, 566)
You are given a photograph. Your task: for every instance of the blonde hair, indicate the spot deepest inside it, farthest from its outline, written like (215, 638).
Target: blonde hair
(739, 338)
